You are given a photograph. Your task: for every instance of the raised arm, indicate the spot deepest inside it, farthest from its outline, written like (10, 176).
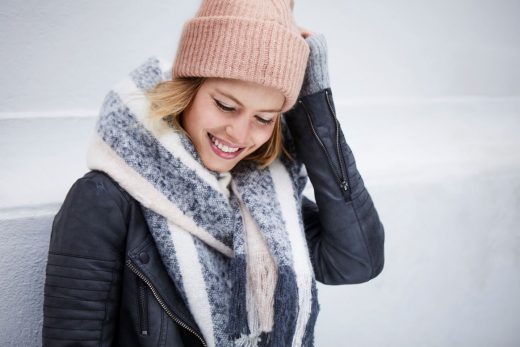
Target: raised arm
(343, 230)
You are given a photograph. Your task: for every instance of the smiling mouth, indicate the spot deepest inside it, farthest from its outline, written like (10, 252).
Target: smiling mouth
(222, 150)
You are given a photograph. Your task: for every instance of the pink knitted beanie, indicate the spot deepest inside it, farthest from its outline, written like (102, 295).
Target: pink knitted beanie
(252, 40)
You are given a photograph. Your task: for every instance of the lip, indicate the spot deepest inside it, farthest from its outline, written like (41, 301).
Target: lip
(224, 155)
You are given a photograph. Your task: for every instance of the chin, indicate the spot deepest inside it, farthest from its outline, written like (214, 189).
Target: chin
(218, 167)
(212, 162)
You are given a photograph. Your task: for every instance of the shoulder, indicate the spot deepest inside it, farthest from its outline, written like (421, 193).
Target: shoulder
(104, 184)
(93, 219)
(96, 194)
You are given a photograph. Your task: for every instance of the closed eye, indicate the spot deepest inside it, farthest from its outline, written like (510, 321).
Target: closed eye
(223, 107)
(264, 121)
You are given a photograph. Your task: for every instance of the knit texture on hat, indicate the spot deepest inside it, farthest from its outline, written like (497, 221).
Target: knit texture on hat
(252, 40)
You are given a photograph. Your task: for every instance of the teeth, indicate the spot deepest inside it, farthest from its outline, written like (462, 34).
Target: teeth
(223, 147)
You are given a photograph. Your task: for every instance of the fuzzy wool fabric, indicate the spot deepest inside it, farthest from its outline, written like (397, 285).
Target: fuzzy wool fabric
(233, 243)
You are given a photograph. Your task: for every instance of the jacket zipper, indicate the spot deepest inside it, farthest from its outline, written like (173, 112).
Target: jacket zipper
(345, 182)
(143, 306)
(161, 302)
(340, 174)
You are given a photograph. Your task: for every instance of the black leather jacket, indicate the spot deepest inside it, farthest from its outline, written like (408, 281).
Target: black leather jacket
(105, 282)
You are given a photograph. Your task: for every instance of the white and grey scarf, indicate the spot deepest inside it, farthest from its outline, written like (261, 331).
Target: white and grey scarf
(233, 243)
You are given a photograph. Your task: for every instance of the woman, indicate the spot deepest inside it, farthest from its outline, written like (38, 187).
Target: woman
(191, 229)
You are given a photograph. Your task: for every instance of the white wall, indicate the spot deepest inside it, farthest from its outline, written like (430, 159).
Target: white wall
(428, 95)
(61, 55)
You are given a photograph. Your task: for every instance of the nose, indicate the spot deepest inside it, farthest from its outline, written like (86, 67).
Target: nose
(238, 130)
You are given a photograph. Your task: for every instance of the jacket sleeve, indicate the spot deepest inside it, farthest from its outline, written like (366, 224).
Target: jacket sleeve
(343, 230)
(84, 267)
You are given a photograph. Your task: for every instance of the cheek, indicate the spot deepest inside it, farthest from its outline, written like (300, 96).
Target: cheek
(199, 120)
(263, 136)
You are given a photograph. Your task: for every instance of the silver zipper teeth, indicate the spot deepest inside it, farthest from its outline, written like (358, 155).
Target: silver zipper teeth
(143, 307)
(161, 302)
(321, 144)
(338, 148)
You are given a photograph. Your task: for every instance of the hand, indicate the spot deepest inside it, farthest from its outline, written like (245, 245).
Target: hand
(316, 74)
(304, 32)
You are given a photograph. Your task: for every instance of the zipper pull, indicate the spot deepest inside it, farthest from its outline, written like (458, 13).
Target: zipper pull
(344, 185)
(346, 190)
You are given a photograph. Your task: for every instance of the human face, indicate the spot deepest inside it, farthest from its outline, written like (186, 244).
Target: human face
(229, 119)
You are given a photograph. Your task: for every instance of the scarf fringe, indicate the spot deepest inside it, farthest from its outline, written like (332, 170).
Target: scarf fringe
(286, 307)
(252, 340)
(308, 338)
(261, 287)
(237, 324)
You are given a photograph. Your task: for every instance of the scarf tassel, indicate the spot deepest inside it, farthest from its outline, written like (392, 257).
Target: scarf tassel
(308, 338)
(237, 324)
(252, 340)
(286, 307)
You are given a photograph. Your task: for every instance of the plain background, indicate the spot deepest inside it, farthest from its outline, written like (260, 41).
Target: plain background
(427, 93)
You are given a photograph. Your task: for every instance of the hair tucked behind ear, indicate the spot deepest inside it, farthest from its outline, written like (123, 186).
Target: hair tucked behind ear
(168, 99)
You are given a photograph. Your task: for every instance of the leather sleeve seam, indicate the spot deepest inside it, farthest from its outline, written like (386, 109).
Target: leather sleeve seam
(365, 241)
(81, 256)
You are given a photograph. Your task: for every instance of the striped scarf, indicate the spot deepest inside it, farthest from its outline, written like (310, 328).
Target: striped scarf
(233, 243)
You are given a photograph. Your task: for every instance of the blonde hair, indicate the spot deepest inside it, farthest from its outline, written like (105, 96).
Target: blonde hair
(168, 99)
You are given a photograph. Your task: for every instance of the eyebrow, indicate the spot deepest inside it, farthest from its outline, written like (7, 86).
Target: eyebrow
(238, 102)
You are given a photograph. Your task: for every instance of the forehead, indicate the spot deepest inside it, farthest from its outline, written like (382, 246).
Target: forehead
(246, 94)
